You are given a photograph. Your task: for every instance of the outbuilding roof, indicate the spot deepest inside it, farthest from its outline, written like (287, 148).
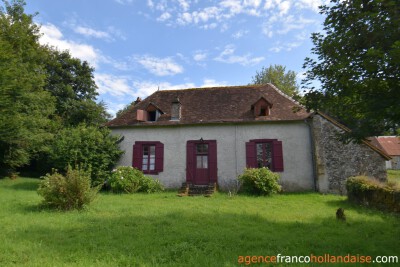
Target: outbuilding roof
(215, 105)
(389, 144)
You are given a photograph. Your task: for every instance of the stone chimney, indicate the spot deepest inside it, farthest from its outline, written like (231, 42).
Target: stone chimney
(176, 110)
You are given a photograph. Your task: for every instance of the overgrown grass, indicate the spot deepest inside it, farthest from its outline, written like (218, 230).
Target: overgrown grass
(394, 176)
(162, 229)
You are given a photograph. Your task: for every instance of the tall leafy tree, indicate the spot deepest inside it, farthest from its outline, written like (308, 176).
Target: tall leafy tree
(278, 76)
(358, 65)
(25, 108)
(71, 82)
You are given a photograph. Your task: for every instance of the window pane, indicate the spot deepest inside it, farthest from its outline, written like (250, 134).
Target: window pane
(152, 160)
(145, 150)
(199, 164)
(264, 154)
(144, 167)
(260, 155)
(202, 148)
(152, 150)
(152, 167)
(145, 160)
(268, 155)
(205, 162)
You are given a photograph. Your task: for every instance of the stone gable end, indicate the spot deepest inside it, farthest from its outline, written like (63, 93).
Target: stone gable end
(336, 161)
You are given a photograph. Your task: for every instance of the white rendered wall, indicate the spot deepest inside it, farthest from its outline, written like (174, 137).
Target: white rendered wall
(231, 150)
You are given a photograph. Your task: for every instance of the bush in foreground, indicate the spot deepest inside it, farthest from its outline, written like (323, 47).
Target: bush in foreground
(260, 181)
(88, 146)
(126, 179)
(72, 191)
(370, 192)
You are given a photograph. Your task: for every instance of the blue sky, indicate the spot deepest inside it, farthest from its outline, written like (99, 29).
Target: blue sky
(138, 46)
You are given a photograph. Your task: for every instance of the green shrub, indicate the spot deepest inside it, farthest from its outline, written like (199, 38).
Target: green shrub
(72, 191)
(86, 146)
(260, 181)
(130, 180)
(370, 192)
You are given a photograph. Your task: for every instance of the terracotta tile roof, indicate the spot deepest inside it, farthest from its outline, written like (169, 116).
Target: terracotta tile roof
(389, 144)
(216, 105)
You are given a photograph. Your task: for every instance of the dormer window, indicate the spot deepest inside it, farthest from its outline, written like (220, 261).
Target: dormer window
(261, 107)
(152, 113)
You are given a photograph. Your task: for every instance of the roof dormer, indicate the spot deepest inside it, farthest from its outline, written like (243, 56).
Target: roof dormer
(261, 107)
(151, 113)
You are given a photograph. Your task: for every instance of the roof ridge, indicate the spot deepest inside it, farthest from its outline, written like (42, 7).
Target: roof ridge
(214, 88)
(285, 95)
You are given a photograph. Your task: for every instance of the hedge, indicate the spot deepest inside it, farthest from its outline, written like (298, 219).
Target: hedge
(370, 192)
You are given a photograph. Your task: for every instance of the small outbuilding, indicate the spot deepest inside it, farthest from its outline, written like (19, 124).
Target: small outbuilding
(391, 145)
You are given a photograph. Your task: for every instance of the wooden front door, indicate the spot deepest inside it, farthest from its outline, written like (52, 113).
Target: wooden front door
(201, 162)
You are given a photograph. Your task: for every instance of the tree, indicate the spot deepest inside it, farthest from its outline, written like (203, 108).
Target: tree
(25, 108)
(125, 109)
(89, 147)
(358, 66)
(72, 83)
(277, 75)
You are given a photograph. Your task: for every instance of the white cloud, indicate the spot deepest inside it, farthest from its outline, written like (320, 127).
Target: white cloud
(145, 88)
(240, 34)
(212, 83)
(92, 32)
(233, 6)
(159, 66)
(124, 2)
(113, 85)
(184, 4)
(253, 3)
(53, 36)
(200, 56)
(150, 4)
(291, 22)
(285, 24)
(227, 56)
(311, 4)
(164, 16)
(184, 12)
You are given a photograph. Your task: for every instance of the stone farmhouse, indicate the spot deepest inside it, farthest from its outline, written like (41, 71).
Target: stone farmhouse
(208, 136)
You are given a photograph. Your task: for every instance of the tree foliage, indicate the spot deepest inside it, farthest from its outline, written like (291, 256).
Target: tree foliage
(41, 91)
(25, 109)
(277, 75)
(358, 65)
(86, 146)
(71, 82)
(125, 109)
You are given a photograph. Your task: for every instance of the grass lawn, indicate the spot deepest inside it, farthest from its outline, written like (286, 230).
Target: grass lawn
(162, 229)
(394, 176)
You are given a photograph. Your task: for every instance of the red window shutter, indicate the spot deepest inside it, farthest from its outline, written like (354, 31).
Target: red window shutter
(251, 160)
(159, 157)
(137, 156)
(212, 160)
(190, 161)
(277, 154)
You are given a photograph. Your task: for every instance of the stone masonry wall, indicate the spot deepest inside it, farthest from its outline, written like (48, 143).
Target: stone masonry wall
(336, 161)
